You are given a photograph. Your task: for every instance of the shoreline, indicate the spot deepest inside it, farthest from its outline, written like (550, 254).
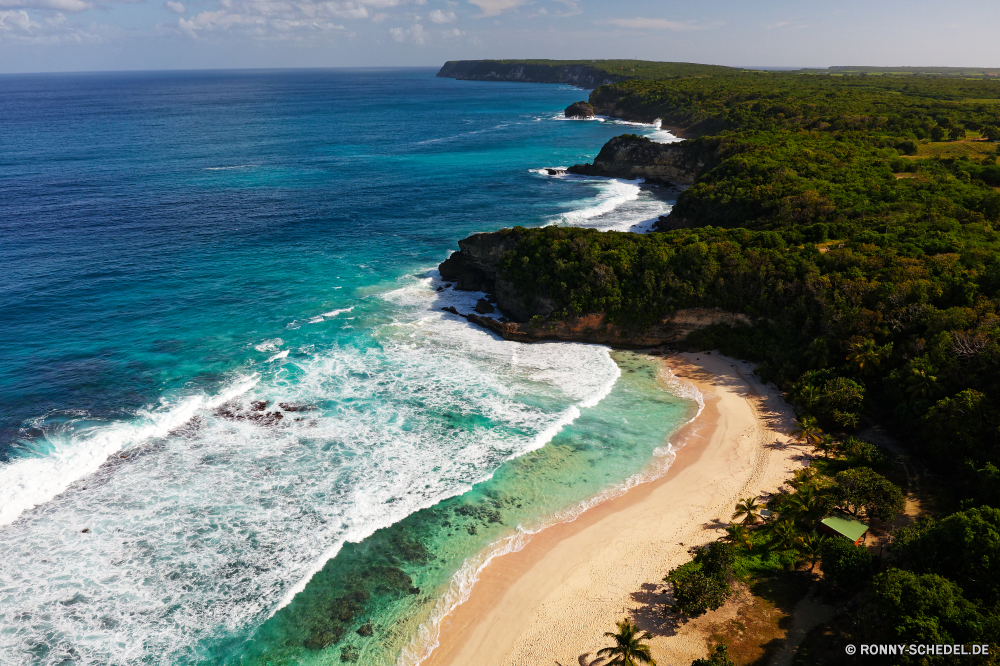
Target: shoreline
(553, 599)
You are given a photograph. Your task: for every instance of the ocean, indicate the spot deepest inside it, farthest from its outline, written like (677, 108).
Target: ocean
(237, 426)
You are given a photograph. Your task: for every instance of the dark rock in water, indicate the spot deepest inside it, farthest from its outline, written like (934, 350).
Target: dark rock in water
(659, 182)
(322, 639)
(440, 288)
(86, 530)
(349, 654)
(579, 110)
(414, 590)
(255, 414)
(483, 306)
(448, 285)
(555, 172)
(451, 309)
(670, 222)
(290, 407)
(365, 630)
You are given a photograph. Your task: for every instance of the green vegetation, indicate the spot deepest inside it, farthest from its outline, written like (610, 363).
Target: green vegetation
(616, 69)
(854, 219)
(629, 648)
(958, 72)
(720, 657)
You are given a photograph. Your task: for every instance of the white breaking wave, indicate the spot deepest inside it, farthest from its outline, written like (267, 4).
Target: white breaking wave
(269, 345)
(427, 638)
(29, 482)
(619, 205)
(214, 519)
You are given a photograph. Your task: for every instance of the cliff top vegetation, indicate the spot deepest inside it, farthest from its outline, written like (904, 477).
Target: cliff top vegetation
(856, 221)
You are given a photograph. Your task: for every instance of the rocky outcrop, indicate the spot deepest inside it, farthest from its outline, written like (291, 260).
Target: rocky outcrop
(579, 110)
(595, 329)
(631, 156)
(477, 266)
(581, 75)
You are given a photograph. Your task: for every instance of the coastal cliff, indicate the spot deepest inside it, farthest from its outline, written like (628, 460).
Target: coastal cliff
(483, 264)
(585, 76)
(631, 156)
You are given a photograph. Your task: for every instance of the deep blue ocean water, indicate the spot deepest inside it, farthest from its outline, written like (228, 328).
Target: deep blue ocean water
(225, 358)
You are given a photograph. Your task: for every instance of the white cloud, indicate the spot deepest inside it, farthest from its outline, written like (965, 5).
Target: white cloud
(175, 7)
(294, 19)
(652, 24)
(18, 26)
(572, 8)
(496, 7)
(58, 5)
(438, 16)
(415, 33)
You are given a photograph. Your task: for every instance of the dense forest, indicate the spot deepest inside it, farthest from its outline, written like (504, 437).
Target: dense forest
(854, 220)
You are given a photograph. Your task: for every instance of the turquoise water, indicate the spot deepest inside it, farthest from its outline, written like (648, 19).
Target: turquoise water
(237, 426)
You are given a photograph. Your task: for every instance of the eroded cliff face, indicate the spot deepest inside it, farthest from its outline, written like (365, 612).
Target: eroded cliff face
(584, 76)
(630, 156)
(596, 330)
(579, 110)
(477, 267)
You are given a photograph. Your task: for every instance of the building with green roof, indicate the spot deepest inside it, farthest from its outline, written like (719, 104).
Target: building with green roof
(845, 526)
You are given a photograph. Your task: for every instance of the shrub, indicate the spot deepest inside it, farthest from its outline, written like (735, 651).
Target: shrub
(864, 492)
(844, 564)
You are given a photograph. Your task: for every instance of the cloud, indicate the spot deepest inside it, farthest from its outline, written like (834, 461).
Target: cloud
(175, 7)
(415, 33)
(438, 16)
(496, 7)
(652, 24)
(58, 5)
(295, 19)
(18, 26)
(572, 8)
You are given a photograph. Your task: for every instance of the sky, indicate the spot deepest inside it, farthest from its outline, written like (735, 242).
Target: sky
(95, 35)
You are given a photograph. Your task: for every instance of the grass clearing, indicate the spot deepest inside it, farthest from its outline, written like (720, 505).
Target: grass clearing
(974, 148)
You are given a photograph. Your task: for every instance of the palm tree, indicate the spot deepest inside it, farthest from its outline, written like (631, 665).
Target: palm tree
(817, 355)
(738, 535)
(806, 504)
(825, 445)
(802, 477)
(747, 508)
(628, 649)
(784, 533)
(921, 383)
(806, 430)
(810, 546)
(865, 355)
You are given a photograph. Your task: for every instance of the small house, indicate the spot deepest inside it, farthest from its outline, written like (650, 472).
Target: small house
(845, 526)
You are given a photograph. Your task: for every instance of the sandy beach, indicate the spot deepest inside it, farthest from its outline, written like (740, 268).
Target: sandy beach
(552, 601)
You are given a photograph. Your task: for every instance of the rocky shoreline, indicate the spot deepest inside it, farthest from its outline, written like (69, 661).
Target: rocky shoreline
(477, 266)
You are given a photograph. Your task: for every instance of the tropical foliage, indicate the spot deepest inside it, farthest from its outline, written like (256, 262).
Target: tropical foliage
(855, 222)
(629, 648)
